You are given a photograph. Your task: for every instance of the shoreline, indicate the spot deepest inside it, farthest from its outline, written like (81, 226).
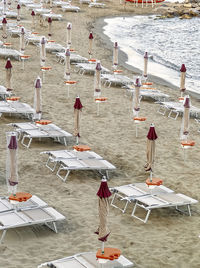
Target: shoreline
(123, 58)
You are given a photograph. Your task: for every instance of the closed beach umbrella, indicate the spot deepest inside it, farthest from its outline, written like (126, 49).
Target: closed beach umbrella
(182, 79)
(4, 6)
(90, 44)
(33, 19)
(38, 99)
(50, 27)
(185, 120)
(42, 51)
(11, 164)
(67, 65)
(22, 40)
(18, 12)
(8, 68)
(77, 115)
(4, 22)
(69, 29)
(115, 56)
(136, 99)
(145, 65)
(151, 137)
(103, 207)
(97, 80)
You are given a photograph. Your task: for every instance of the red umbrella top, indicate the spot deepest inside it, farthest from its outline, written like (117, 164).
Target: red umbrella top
(69, 26)
(13, 143)
(78, 105)
(146, 55)
(183, 68)
(137, 82)
(104, 191)
(33, 13)
(91, 35)
(152, 133)
(8, 64)
(4, 20)
(115, 45)
(22, 30)
(98, 66)
(49, 20)
(38, 83)
(67, 52)
(18, 6)
(187, 102)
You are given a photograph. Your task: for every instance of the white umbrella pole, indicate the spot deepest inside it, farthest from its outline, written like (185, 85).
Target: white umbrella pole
(22, 64)
(67, 91)
(98, 108)
(102, 248)
(43, 76)
(77, 140)
(136, 131)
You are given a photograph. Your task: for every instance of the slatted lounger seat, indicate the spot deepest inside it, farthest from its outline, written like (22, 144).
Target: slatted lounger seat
(52, 47)
(13, 219)
(4, 93)
(16, 108)
(52, 15)
(10, 53)
(55, 157)
(74, 58)
(68, 7)
(89, 68)
(86, 260)
(68, 165)
(115, 80)
(29, 131)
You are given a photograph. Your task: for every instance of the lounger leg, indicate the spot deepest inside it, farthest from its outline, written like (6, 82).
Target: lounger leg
(112, 203)
(162, 110)
(107, 176)
(3, 235)
(23, 141)
(50, 160)
(52, 226)
(58, 173)
(188, 208)
(147, 215)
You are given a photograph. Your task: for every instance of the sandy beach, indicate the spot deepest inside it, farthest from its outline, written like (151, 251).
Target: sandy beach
(169, 239)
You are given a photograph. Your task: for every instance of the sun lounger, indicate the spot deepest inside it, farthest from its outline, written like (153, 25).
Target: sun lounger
(33, 6)
(150, 202)
(68, 7)
(40, 11)
(58, 3)
(4, 93)
(13, 219)
(68, 165)
(52, 15)
(10, 53)
(15, 31)
(11, 14)
(96, 4)
(89, 68)
(86, 260)
(53, 47)
(16, 108)
(74, 58)
(29, 131)
(33, 202)
(25, 2)
(55, 157)
(128, 193)
(174, 109)
(148, 199)
(85, 2)
(115, 80)
(33, 38)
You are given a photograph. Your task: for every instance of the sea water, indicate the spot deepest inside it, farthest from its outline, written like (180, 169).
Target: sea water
(170, 42)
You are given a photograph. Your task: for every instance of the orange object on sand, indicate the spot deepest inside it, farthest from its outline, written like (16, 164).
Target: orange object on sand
(188, 143)
(140, 119)
(92, 60)
(109, 254)
(118, 71)
(13, 98)
(72, 50)
(25, 56)
(70, 82)
(101, 99)
(154, 182)
(35, 33)
(151, 88)
(81, 148)
(46, 68)
(7, 44)
(147, 84)
(20, 197)
(181, 98)
(51, 41)
(43, 122)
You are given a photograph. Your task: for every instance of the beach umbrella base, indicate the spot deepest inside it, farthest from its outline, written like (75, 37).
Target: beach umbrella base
(138, 120)
(109, 254)
(81, 148)
(69, 83)
(23, 59)
(19, 197)
(98, 101)
(44, 70)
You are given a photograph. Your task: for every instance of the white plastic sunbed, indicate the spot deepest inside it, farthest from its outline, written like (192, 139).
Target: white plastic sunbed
(68, 165)
(29, 131)
(175, 109)
(52, 15)
(16, 108)
(13, 219)
(74, 58)
(10, 53)
(68, 7)
(40, 11)
(33, 38)
(96, 4)
(33, 202)
(53, 47)
(89, 68)
(115, 79)
(147, 199)
(55, 157)
(86, 260)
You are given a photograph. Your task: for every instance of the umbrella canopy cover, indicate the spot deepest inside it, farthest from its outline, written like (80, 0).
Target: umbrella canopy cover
(38, 98)
(22, 40)
(185, 120)
(42, 51)
(4, 28)
(8, 68)
(69, 28)
(50, 27)
(97, 80)
(67, 64)
(90, 43)
(103, 207)
(115, 56)
(77, 115)
(136, 99)
(151, 137)
(182, 78)
(11, 162)
(145, 64)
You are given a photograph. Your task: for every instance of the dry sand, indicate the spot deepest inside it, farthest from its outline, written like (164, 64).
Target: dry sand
(169, 239)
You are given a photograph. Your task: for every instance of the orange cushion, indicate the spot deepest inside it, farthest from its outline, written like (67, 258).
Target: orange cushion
(20, 197)
(43, 122)
(70, 82)
(46, 68)
(101, 99)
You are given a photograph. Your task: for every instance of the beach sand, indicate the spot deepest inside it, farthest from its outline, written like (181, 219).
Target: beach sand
(169, 239)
